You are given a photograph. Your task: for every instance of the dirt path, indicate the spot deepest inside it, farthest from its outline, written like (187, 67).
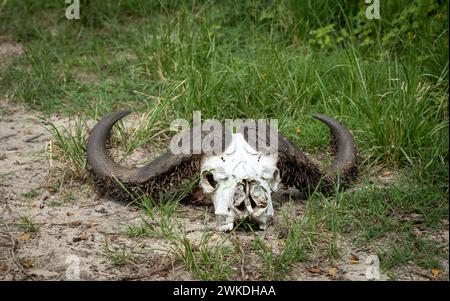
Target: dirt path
(75, 227)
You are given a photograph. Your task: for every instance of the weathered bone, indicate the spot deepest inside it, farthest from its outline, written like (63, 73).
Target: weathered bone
(244, 179)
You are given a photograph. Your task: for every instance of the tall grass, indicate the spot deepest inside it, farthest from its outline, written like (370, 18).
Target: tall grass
(241, 61)
(69, 145)
(386, 79)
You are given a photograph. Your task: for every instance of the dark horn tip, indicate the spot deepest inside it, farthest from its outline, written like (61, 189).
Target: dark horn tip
(320, 116)
(122, 113)
(317, 115)
(114, 117)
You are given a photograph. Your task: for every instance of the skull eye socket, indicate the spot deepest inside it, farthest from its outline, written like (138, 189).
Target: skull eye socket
(208, 179)
(271, 175)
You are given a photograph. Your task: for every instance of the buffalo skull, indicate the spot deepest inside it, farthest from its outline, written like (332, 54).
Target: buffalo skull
(239, 178)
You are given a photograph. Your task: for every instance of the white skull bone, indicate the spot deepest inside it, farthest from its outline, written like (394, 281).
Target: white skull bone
(240, 182)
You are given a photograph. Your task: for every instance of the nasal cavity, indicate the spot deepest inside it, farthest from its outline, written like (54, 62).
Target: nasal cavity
(239, 196)
(258, 196)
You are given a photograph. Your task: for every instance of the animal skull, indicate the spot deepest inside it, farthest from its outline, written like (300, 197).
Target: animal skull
(240, 182)
(239, 178)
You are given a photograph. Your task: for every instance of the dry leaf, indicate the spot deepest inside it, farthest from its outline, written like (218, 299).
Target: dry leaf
(83, 237)
(386, 173)
(354, 259)
(51, 189)
(113, 237)
(3, 267)
(436, 273)
(28, 264)
(332, 271)
(25, 237)
(315, 270)
(75, 223)
(69, 213)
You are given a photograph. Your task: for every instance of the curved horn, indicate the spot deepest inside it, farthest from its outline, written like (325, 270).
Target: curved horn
(299, 171)
(344, 148)
(104, 166)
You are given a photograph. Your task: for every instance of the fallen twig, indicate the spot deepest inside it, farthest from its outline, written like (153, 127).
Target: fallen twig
(33, 137)
(13, 256)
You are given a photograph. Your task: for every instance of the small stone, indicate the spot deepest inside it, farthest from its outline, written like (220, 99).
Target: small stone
(101, 209)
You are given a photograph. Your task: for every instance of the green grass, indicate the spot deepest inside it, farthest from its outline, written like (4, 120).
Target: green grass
(276, 266)
(174, 62)
(69, 145)
(65, 198)
(386, 79)
(31, 194)
(388, 220)
(118, 256)
(28, 225)
(206, 262)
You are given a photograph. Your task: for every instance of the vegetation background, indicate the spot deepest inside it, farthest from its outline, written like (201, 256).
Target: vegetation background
(386, 79)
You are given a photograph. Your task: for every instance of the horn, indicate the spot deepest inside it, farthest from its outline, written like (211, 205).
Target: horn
(299, 171)
(104, 166)
(162, 175)
(344, 149)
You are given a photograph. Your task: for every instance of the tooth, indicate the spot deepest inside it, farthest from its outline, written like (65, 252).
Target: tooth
(239, 196)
